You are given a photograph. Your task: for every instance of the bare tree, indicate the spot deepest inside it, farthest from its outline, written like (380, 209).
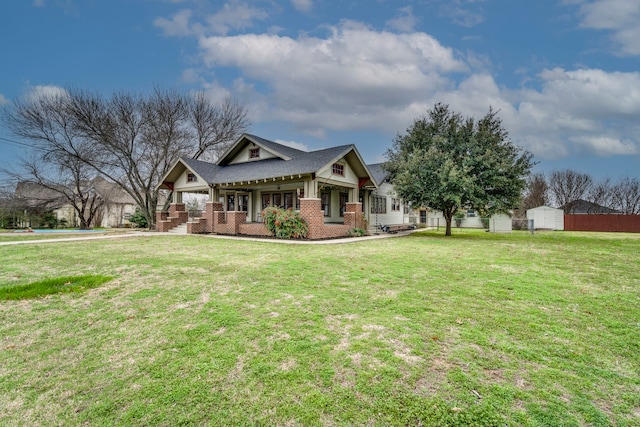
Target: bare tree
(215, 127)
(600, 195)
(57, 164)
(536, 193)
(568, 186)
(134, 139)
(626, 196)
(65, 182)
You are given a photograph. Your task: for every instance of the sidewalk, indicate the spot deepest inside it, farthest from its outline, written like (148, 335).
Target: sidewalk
(216, 236)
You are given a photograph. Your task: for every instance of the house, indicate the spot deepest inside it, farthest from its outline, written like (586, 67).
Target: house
(386, 206)
(581, 206)
(43, 202)
(118, 204)
(331, 189)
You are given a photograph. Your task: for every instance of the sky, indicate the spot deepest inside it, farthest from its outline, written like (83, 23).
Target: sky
(563, 74)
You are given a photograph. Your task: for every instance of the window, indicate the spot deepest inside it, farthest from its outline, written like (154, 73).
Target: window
(243, 202)
(254, 153)
(325, 200)
(276, 199)
(266, 201)
(288, 200)
(337, 169)
(395, 204)
(192, 177)
(343, 203)
(231, 202)
(471, 213)
(378, 205)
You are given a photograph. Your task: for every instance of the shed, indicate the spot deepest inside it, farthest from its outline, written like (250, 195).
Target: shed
(500, 223)
(546, 217)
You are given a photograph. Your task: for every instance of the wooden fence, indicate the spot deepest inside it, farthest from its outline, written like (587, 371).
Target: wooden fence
(602, 222)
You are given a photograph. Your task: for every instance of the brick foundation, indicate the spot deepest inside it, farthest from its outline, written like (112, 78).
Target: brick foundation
(215, 220)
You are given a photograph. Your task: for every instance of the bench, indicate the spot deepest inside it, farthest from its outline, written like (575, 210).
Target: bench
(394, 228)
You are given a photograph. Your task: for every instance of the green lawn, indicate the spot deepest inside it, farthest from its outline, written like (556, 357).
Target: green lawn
(477, 329)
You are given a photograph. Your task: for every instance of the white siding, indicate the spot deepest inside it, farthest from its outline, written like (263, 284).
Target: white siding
(243, 156)
(500, 223)
(545, 217)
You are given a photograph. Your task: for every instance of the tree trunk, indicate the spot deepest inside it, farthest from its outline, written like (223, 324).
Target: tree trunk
(448, 217)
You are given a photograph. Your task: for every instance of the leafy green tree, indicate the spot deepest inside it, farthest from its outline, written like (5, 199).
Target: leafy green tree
(448, 162)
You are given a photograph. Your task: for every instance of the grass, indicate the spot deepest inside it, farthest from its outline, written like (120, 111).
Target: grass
(477, 329)
(51, 286)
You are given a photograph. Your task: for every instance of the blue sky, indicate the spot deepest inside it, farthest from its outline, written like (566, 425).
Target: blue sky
(564, 74)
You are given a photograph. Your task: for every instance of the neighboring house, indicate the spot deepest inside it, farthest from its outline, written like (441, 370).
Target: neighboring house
(331, 188)
(386, 207)
(118, 205)
(581, 206)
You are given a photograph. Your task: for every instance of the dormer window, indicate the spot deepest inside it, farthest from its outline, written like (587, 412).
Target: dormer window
(192, 177)
(337, 169)
(254, 153)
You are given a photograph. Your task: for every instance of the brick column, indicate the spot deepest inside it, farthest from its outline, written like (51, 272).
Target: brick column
(311, 211)
(174, 208)
(356, 209)
(234, 219)
(209, 212)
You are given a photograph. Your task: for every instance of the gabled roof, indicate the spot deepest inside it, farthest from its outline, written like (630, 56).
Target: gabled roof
(379, 174)
(290, 162)
(278, 150)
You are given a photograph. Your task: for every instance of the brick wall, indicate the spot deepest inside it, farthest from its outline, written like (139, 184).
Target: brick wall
(197, 226)
(254, 229)
(311, 211)
(176, 216)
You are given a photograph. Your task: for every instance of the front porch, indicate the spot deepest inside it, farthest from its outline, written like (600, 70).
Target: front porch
(216, 220)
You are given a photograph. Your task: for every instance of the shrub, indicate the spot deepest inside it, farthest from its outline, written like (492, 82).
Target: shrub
(138, 219)
(285, 224)
(357, 232)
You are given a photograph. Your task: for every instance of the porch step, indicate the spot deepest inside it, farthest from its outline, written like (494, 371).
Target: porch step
(179, 229)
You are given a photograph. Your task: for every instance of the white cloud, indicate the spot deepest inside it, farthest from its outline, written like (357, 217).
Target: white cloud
(178, 25)
(38, 3)
(3, 100)
(404, 22)
(352, 79)
(302, 5)
(358, 78)
(581, 111)
(620, 17)
(234, 15)
(462, 12)
(45, 91)
(293, 144)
